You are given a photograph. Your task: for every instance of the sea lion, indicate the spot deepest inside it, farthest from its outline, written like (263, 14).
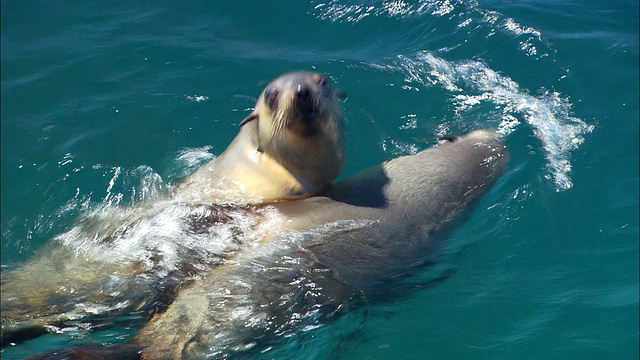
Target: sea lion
(362, 234)
(290, 147)
(314, 253)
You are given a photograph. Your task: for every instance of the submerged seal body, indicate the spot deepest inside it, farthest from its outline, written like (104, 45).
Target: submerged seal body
(364, 232)
(290, 147)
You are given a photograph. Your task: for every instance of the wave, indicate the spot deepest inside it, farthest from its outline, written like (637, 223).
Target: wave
(454, 16)
(336, 11)
(470, 84)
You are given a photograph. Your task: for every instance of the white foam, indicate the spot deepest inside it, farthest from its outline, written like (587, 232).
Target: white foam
(472, 83)
(335, 11)
(158, 235)
(151, 227)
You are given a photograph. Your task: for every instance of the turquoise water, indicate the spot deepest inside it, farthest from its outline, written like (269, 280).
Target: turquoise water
(99, 96)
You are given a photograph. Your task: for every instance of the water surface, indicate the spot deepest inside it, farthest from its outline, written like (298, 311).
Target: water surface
(99, 98)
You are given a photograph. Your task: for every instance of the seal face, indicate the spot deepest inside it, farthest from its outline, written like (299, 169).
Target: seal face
(299, 101)
(291, 146)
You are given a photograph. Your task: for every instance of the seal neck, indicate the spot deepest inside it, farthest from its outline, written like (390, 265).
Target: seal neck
(244, 175)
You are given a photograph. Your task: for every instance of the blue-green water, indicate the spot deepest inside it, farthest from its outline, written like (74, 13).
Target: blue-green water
(98, 95)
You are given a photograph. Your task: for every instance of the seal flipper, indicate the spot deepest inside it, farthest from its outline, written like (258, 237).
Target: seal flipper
(11, 336)
(93, 352)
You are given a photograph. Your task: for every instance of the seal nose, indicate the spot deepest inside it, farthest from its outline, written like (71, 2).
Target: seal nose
(303, 93)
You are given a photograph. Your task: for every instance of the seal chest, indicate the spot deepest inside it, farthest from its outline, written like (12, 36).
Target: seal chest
(290, 147)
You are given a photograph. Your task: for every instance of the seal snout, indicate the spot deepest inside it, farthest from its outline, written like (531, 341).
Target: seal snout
(305, 102)
(305, 93)
(302, 93)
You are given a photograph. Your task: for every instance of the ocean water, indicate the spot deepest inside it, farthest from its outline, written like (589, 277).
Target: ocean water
(104, 103)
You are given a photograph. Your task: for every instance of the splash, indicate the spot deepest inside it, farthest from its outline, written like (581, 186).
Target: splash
(189, 159)
(197, 98)
(138, 218)
(399, 148)
(160, 236)
(530, 39)
(472, 83)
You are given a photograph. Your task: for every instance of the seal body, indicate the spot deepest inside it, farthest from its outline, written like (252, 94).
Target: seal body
(290, 147)
(312, 256)
(363, 233)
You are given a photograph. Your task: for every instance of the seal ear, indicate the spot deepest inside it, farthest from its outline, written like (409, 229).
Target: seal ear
(341, 94)
(256, 135)
(249, 117)
(449, 138)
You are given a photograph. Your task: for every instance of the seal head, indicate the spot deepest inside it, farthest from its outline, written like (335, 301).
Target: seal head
(291, 146)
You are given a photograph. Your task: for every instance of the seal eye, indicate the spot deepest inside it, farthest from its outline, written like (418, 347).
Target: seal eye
(270, 97)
